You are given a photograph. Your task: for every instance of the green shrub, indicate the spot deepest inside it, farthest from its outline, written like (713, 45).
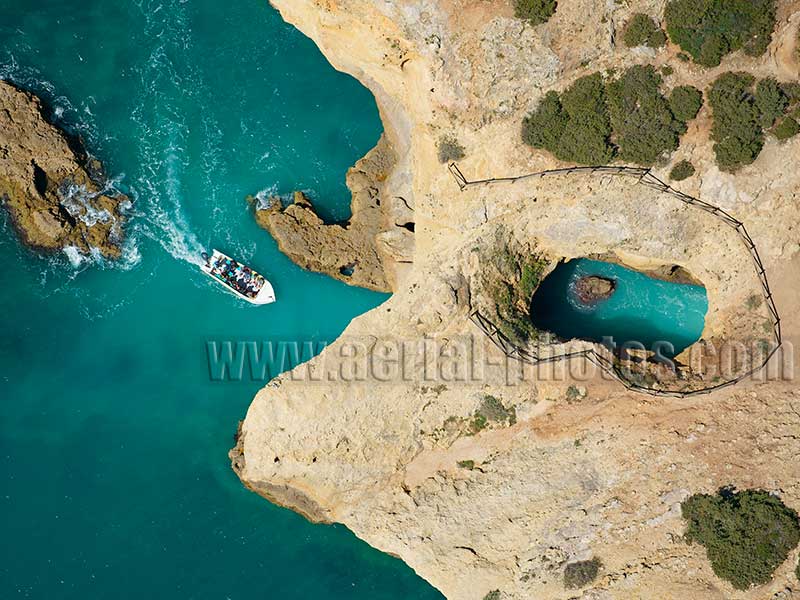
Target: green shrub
(579, 125)
(574, 394)
(736, 129)
(469, 465)
(535, 11)
(478, 423)
(685, 102)
(543, 127)
(642, 30)
(753, 301)
(643, 124)
(787, 128)
(491, 409)
(493, 595)
(586, 138)
(747, 534)
(449, 150)
(582, 573)
(791, 90)
(682, 170)
(712, 50)
(575, 126)
(710, 29)
(771, 101)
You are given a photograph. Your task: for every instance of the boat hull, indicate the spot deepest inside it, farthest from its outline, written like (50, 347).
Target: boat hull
(265, 295)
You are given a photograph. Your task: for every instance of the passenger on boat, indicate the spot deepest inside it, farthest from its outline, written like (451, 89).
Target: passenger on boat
(238, 276)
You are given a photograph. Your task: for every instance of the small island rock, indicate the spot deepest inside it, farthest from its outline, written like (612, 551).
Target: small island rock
(55, 194)
(592, 289)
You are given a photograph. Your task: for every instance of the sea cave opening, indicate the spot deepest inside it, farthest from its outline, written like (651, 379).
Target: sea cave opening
(614, 305)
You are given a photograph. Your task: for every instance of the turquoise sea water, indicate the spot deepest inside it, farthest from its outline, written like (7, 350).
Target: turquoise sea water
(113, 437)
(641, 309)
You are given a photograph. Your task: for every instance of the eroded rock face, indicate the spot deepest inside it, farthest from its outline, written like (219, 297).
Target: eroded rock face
(367, 249)
(55, 194)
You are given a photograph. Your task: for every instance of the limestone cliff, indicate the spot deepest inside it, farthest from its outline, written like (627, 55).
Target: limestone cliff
(55, 194)
(387, 430)
(369, 250)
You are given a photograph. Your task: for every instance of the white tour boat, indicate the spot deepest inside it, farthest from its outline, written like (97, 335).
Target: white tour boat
(238, 279)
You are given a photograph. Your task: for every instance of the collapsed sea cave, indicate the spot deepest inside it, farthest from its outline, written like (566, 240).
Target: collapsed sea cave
(617, 306)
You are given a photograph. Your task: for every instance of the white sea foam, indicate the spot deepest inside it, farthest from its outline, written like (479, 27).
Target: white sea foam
(78, 202)
(74, 255)
(170, 73)
(266, 197)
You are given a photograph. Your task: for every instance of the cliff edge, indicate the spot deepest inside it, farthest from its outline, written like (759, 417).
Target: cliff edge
(484, 473)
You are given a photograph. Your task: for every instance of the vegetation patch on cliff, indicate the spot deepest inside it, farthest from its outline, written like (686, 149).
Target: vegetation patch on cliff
(449, 149)
(582, 573)
(742, 109)
(492, 410)
(509, 278)
(593, 122)
(642, 30)
(709, 30)
(747, 534)
(535, 11)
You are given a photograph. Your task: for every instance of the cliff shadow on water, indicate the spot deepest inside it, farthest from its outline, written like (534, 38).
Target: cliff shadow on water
(614, 305)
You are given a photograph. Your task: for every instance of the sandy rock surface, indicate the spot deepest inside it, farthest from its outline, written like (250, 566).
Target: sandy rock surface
(368, 249)
(380, 432)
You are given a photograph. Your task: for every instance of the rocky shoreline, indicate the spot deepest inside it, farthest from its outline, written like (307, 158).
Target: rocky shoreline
(55, 194)
(370, 250)
(484, 507)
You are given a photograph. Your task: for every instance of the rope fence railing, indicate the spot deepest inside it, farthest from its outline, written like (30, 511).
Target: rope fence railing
(601, 356)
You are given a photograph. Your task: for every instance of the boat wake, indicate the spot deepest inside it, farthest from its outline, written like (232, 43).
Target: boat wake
(168, 145)
(165, 138)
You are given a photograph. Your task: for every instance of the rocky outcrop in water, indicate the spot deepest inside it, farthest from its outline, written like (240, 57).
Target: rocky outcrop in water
(369, 249)
(55, 194)
(593, 289)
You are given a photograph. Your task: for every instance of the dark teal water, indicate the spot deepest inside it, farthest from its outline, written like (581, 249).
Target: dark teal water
(641, 309)
(113, 437)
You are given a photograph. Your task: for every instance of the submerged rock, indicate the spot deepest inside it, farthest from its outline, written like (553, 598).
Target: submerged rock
(593, 289)
(55, 193)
